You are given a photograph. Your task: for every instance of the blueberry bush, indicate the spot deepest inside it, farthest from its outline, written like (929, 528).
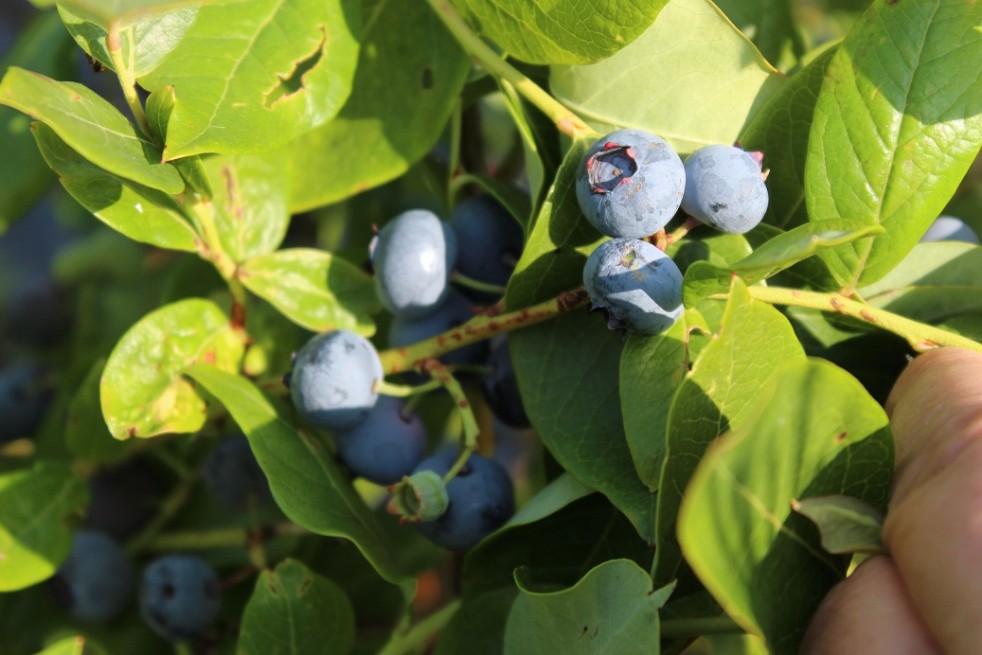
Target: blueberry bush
(367, 235)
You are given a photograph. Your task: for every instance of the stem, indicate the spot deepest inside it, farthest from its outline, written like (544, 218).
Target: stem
(174, 463)
(440, 374)
(168, 510)
(568, 123)
(215, 538)
(679, 233)
(921, 337)
(477, 285)
(204, 212)
(415, 638)
(126, 78)
(396, 360)
(406, 390)
(456, 119)
(716, 625)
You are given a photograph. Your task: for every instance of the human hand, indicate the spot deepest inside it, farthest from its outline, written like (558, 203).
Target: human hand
(926, 596)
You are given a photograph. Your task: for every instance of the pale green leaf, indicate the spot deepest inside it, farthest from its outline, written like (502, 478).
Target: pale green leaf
(847, 525)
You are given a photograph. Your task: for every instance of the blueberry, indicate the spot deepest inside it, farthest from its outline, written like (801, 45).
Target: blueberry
(179, 597)
(724, 188)
(413, 257)
(455, 311)
(23, 400)
(500, 389)
(386, 445)
(232, 474)
(95, 583)
(334, 379)
(638, 285)
(949, 228)
(481, 500)
(489, 241)
(630, 184)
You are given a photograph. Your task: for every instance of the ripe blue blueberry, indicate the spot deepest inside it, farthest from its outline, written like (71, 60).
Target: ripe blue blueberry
(414, 256)
(386, 445)
(630, 184)
(489, 241)
(23, 400)
(232, 474)
(638, 285)
(949, 228)
(500, 389)
(455, 311)
(95, 583)
(179, 597)
(335, 379)
(724, 188)
(481, 500)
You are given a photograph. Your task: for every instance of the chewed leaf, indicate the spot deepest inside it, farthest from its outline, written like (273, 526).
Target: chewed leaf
(847, 525)
(143, 392)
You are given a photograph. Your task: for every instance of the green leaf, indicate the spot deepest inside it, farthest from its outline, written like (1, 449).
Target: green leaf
(511, 198)
(813, 430)
(889, 144)
(560, 32)
(780, 130)
(293, 611)
(250, 202)
(847, 525)
(768, 23)
(478, 627)
(613, 609)
(139, 212)
(85, 430)
(652, 368)
(754, 341)
(401, 99)
(314, 289)
(250, 75)
(76, 645)
(776, 255)
(535, 157)
(42, 46)
(309, 485)
(35, 536)
(937, 281)
(567, 373)
(691, 78)
(91, 126)
(142, 391)
(144, 41)
(107, 12)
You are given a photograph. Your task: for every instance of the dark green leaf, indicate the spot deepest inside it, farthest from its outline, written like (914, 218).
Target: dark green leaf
(847, 525)
(143, 393)
(250, 202)
(613, 609)
(294, 611)
(307, 482)
(314, 289)
(511, 198)
(563, 32)
(691, 78)
(91, 126)
(35, 536)
(754, 341)
(780, 130)
(811, 431)
(402, 97)
(478, 627)
(86, 433)
(889, 143)
(937, 281)
(249, 76)
(652, 368)
(768, 23)
(43, 47)
(141, 213)
(568, 376)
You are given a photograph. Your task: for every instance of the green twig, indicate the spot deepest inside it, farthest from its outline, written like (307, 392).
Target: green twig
(127, 80)
(716, 625)
(568, 123)
(456, 120)
(406, 390)
(215, 538)
(397, 360)
(472, 431)
(477, 285)
(921, 337)
(412, 640)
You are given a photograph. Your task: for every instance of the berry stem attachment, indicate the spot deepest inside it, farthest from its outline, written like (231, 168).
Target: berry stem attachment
(396, 360)
(435, 368)
(477, 285)
(127, 80)
(682, 230)
(568, 123)
(921, 337)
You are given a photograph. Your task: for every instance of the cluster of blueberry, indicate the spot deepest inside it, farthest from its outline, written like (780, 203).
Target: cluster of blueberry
(629, 185)
(179, 594)
(336, 375)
